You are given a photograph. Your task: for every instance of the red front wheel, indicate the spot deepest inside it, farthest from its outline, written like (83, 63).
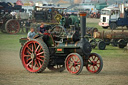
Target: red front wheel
(74, 63)
(94, 63)
(35, 56)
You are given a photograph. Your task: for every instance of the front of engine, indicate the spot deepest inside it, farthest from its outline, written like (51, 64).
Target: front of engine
(83, 43)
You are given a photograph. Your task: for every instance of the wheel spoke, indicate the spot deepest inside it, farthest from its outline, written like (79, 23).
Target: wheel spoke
(94, 68)
(89, 59)
(78, 63)
(77, 60)
(70, 64)
(41, 56)
(29, 48)
(28, 52)
(97, 60)
(37, 48)
(75, 68)
(29, 62)
(32, 64)
(40, 59)
(97, 63)
(78, 67)
(89, 66)
(71, 67)
(27, 55)
(70, 61)
(37, 64)
(40, 53)
(72, 58)
(97, 67)
(32, 48)
(35, 45)
(94, 58)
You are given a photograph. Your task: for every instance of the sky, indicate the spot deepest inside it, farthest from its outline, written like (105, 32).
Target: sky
(109, 1)
(23, 0)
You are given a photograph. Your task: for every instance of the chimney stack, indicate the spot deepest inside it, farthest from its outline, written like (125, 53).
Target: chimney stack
(83, 24)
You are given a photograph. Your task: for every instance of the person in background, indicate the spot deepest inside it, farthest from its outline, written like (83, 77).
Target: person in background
(31, 34)
(27, 25)
(41, 29)
(13, 14)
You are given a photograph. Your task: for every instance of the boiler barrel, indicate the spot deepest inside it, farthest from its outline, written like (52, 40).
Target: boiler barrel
(110, 35)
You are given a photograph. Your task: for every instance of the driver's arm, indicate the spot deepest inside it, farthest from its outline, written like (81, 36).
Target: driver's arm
(38, 30)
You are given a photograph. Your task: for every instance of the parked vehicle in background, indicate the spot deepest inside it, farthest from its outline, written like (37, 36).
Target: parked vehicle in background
(114, 17)
(107, 15)
(28, 9)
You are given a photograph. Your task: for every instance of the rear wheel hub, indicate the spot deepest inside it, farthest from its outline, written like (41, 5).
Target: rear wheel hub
(33, 56)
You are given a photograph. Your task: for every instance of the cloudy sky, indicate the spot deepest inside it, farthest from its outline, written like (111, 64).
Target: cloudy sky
(109, 1)
(24, 0)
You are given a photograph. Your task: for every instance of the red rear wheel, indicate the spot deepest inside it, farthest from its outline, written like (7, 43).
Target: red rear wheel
(95, 63)
(12, 26)
(74, 63)
(35, 56)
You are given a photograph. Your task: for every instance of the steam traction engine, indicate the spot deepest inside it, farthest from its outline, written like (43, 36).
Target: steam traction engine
(58, 50)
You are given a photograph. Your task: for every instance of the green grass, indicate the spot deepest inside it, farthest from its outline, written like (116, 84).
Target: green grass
(96, 26)
(11, 43)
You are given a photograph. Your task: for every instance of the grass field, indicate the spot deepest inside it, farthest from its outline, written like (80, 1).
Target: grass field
(115, 70)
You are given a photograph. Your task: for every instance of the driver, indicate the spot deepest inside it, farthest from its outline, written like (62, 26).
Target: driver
(41, 29)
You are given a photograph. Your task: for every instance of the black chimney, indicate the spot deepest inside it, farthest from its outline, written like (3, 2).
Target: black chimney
(84, 44)
(83, 24)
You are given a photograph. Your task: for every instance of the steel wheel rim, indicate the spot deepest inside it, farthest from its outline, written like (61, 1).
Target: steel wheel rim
(73, 64)
(33, 56)
(13, 27)
(93, 64)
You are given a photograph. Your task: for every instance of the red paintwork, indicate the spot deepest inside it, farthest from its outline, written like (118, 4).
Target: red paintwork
(46, 33)
(95, 64)
(32, 65)
(13, 27)
(19, 2)
(73, 64)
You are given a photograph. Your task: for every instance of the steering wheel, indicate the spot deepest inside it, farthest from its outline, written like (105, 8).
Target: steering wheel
(58, 31)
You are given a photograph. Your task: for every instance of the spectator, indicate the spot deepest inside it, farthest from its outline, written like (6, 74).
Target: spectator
(27, 25)
(31, 34)
(13, 14)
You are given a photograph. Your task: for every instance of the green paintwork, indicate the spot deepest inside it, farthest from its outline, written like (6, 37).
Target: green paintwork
(74, 19)
(50, 41)
(22, 40)
(65, 45)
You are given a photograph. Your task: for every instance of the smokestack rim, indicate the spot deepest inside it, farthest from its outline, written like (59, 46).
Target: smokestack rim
(82, 13)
